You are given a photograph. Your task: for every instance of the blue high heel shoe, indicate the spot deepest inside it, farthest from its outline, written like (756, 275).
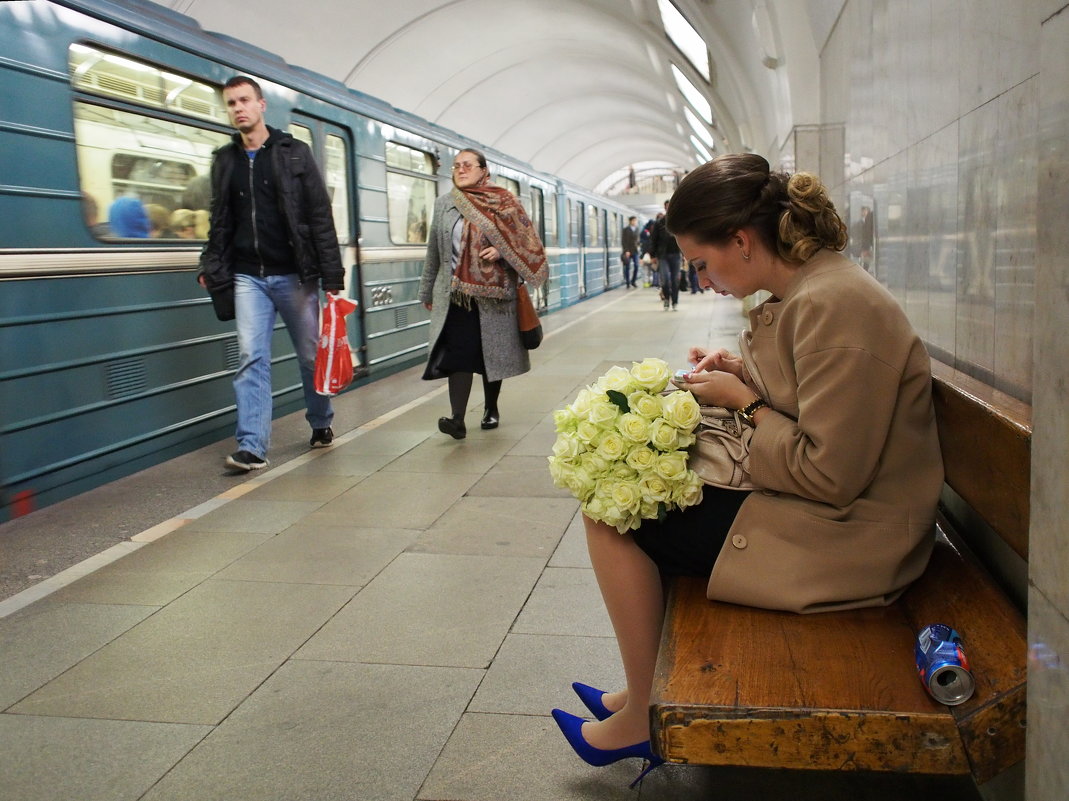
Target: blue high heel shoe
(591, 698)
(572, 729)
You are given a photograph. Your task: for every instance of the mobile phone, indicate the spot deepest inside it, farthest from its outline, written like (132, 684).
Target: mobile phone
(680, 377)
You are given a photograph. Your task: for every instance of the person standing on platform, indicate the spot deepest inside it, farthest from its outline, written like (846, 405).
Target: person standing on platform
(272, 238)
(481, 243)
(666, 251)
(645, 255)
(629, 243)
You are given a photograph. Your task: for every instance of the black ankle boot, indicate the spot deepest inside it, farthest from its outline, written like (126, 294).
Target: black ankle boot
(490, 419)
(453, 426)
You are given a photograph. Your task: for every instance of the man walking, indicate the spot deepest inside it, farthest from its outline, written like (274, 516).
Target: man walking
(272, 238)
(666, 251)
(629, 243)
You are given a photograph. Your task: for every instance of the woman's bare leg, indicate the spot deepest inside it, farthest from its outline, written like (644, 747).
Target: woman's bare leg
(630, 585)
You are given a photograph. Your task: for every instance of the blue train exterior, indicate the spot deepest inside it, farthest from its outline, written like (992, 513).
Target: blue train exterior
(110, 356)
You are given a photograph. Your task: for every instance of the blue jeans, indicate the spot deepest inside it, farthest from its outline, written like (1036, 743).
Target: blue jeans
(256, 300)
(669, 268)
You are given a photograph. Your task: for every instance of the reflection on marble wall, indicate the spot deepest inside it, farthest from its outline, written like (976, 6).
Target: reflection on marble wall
(935, 103)
(950, 119)
(1048, 607)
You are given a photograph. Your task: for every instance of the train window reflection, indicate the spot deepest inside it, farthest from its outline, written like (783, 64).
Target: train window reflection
(144, 177)
(550, 213)
(410, 159)
(534, 211)
(103, 73)
(337, 187)
(301, 134)
(508, 183)
(592, 232)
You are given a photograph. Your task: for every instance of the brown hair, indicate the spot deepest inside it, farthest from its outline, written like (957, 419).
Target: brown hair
(240, 80)
(478, 156)
(792, 214)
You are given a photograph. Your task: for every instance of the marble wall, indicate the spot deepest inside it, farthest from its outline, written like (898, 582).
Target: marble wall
(933, 105)
(949, 119)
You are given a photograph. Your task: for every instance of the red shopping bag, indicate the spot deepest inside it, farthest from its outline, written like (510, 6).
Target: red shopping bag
(334, 360)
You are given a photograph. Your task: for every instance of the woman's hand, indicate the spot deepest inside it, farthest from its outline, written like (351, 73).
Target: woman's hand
(719, 388)
(428, 306)
(490, 254)
(717, 360)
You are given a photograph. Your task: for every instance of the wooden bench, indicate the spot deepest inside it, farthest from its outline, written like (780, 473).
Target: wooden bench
(839, 691)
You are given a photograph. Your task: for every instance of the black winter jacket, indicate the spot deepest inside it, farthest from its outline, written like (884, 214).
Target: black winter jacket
(304, 207)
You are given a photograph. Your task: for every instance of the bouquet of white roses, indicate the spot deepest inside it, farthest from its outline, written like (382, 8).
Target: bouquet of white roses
(621, 446)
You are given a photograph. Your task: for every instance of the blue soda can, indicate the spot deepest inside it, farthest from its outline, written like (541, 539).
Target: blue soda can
(943, 666)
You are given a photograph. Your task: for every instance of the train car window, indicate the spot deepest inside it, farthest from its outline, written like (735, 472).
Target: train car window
(508, 183)
(145, 177)
(593, 233)
(302, 134)
(534, 211)
(337, 167)
(550, 209)
(410, 195)
(102, 73)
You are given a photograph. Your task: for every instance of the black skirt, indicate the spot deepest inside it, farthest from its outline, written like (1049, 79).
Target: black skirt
(687, 541)
(459, 348)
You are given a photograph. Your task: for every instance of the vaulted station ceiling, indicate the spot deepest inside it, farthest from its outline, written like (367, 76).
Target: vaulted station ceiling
(583, 89)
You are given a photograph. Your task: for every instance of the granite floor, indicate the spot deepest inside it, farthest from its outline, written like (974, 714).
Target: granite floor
(389, 619)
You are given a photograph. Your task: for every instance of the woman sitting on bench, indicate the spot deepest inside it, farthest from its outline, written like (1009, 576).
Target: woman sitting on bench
(844, 452)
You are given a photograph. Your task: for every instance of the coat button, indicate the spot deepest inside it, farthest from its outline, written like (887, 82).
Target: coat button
(767, 316)
(739, 541)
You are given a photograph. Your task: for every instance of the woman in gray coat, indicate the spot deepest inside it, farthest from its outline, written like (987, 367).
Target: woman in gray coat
(481, 233)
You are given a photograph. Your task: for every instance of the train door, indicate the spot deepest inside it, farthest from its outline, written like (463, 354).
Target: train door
(332, 145)
(606, 240)
(577, 215)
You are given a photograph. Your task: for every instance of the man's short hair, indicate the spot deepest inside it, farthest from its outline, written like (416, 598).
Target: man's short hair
(240, 80)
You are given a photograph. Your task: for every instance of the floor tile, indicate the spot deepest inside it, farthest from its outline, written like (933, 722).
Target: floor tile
(514, 476)
(310, 553)
(40, 642)
(326, 731)
(55, 759)
(506, 526)
(259, 517)
(572, 550)
(395, 500)
(162, 570)
(297, 486)
(429, 609)
(196, 659)
(565, 601)
(497, 757)
(533, 673)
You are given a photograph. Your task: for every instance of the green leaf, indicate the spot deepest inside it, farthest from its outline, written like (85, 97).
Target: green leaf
(662, 511)
(619, 398)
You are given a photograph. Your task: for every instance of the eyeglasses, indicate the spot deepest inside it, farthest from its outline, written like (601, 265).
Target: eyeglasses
(466, 165)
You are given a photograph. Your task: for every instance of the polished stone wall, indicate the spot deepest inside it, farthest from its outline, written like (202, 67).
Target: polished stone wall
(933, 107)
(949, 119)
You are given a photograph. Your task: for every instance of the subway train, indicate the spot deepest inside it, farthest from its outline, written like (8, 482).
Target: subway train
(111, 357)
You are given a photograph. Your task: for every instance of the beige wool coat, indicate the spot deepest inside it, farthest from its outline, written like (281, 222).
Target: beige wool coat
(848, 461)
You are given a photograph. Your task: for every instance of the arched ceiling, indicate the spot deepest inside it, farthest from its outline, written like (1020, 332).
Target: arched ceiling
(578, 88)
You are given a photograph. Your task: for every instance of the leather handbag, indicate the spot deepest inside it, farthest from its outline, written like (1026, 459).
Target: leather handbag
(720, 454)
(223, 302)
(529, 324)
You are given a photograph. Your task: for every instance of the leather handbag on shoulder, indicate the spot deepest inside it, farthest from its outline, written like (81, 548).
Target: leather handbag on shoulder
(529, 324)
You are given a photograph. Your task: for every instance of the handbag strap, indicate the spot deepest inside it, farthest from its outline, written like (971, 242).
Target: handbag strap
(748, 363)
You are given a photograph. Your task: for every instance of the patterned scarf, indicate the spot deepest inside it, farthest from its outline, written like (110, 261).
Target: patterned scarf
(493, 216)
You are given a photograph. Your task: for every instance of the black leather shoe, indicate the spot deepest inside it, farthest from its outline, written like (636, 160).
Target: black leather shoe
(490, 420)
(453, 427)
